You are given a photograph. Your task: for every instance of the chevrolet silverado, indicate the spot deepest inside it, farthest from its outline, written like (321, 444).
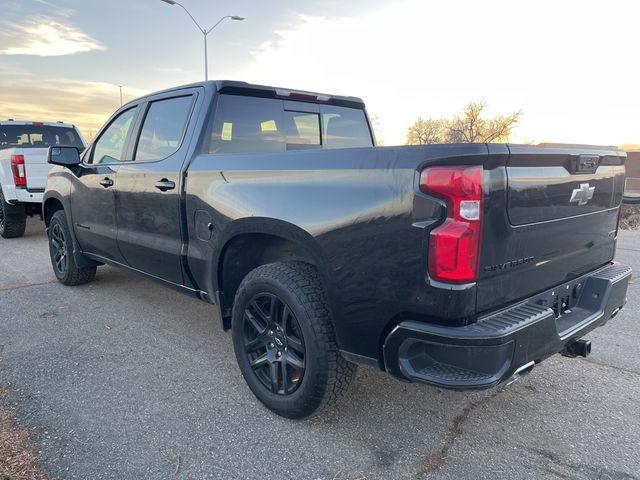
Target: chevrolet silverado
(461, 266)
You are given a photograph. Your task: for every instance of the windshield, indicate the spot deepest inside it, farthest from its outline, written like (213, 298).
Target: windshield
(38, 136)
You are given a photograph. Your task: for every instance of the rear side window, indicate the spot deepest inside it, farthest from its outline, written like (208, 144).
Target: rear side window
(109, 147)
(251, 124)
(163, 128)
(38, 136)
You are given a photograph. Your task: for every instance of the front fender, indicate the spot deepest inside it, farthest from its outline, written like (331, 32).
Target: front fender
(58, 189)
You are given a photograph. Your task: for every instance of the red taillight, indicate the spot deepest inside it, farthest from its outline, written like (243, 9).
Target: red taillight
(19, 174)
(454, 246)
(37, 124)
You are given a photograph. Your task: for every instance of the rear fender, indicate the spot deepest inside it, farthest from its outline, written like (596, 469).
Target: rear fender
(288, 232)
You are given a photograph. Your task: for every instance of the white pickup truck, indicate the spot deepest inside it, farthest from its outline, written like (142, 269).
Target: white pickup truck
(24, 168)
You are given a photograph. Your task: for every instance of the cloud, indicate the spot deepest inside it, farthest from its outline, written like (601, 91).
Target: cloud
(85, 104)
(45, 37)
(414, 58)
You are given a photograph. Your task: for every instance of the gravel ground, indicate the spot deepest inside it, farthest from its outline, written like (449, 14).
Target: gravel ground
(630, 217)
(123, 378)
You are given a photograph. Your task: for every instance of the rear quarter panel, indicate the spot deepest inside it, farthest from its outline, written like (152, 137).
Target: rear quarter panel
(360, 209)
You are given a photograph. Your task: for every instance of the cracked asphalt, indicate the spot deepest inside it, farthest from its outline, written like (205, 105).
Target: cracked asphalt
(123, 378)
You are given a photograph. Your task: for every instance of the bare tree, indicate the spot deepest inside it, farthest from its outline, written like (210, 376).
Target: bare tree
(377, 129)
(431, 130)
(469, 127)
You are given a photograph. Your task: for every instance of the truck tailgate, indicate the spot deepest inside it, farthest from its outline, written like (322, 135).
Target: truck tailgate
(36, 166)
(552, 216)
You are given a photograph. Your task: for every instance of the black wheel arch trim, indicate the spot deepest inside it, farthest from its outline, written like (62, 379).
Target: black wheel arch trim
(264, 226)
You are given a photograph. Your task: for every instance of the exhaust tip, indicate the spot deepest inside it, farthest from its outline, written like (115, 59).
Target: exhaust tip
(520, 372)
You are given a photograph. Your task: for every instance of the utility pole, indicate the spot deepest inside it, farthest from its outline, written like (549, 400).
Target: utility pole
(120, 94)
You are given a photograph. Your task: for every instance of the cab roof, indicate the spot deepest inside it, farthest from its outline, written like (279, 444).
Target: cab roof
(234, 87)
(11, 121)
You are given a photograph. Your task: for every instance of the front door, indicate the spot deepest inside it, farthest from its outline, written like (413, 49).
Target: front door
(148, 194)
(93, 199)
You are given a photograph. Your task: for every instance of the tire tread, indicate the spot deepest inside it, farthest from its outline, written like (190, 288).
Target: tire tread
(15, 221)
(304, 282)
(75, 275)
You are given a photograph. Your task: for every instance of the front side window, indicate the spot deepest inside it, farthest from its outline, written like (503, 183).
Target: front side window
(163, 128)
(109, 147)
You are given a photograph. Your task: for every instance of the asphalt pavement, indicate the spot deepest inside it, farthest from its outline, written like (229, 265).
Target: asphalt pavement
(124, 378)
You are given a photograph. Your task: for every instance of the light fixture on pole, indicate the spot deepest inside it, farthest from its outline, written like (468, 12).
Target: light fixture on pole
(204, 32)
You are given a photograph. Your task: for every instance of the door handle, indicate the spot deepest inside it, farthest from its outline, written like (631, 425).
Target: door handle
(106, 182)
(164, 185)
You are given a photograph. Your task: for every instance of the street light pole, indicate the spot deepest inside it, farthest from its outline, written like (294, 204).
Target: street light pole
(204, 32)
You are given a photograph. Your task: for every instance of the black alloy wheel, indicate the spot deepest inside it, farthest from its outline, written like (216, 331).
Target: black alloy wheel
(62, 255)
(273, 343)
(59, 251)
(284, 340)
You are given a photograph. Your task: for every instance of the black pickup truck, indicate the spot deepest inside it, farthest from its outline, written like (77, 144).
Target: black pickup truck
(461, 265)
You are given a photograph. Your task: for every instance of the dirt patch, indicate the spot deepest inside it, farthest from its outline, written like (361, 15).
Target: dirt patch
(630, 217)
(18, 458)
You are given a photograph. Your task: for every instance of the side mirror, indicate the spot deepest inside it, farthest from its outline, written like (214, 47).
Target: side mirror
(65, 156)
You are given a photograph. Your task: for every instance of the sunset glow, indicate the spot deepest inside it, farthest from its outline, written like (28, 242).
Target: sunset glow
(567, 65)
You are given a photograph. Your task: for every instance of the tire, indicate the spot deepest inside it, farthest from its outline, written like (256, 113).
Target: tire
(296, 335)
(13, 219)
(61, 251)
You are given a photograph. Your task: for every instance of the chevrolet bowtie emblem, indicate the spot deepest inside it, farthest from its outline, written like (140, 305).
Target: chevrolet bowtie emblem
(582, 194)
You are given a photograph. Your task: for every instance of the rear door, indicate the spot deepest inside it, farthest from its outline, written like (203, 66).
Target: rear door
(148, 194)
(92, 196)
(551, 217)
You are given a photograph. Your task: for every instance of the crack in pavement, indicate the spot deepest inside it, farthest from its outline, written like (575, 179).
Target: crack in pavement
(17, 287)
(434, 461)
(580, 469)
(614, 367)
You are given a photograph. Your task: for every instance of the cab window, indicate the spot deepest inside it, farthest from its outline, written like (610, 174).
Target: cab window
(243, 124)
(344, 128)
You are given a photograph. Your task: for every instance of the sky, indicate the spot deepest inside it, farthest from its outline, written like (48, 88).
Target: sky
(571, 67)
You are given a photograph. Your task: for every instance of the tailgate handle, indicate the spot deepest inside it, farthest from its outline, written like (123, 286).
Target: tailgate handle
(164, 185)
(587, 163)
